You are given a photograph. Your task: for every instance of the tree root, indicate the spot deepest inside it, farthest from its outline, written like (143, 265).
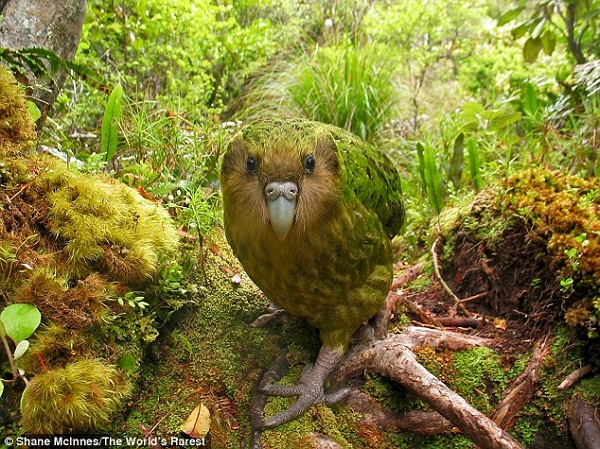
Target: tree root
(378, 417)
(277, 370)
(575, 376)
(522, 389)
(393, 358)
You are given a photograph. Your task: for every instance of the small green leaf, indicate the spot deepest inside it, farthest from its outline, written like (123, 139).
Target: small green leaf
(21, 348)
(520, 30)
(109, 136)
(530, 101)
(510, 15)
(20, 321)
(537, 31)
(24, 398)
(421, 166)
(1, 388)
(127, 364)
(34, 111)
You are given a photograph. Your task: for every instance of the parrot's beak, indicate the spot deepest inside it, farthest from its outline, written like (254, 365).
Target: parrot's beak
(281, 204)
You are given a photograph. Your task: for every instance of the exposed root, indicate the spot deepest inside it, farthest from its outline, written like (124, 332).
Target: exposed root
(393, 358)
(277, 370)
(521, 390)
(458, 303)
(381, 418)
(575, 376)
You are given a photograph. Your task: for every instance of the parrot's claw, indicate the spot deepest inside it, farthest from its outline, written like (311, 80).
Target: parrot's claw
(273, 314)
(309, 390)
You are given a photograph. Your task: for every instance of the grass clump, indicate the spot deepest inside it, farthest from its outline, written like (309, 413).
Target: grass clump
(345, 85)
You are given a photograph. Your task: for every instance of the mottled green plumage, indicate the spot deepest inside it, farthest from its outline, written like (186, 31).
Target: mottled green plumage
(334, 267)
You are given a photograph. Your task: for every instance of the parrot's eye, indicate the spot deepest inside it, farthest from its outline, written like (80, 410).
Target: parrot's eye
(251, 165)
(309, 164)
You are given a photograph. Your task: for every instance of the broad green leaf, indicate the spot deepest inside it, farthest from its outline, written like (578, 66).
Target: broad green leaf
(532, 49)
(2, 330)
(505, 120)
(470, 116)
(20, 321)
(21, 349)
(520, 30)
(548, 40)
(1, 388)
(510, 15)
(109, 137)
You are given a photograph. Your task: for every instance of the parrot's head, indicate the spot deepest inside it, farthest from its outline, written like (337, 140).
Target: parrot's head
(281, 178)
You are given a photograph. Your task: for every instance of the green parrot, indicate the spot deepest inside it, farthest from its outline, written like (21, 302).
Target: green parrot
(310, 210)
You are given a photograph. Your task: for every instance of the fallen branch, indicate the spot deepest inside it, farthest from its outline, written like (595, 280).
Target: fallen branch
(459, 321)
(522, 389)
(392, 358)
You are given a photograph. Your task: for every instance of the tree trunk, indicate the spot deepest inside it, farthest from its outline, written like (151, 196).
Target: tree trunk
(54, 25)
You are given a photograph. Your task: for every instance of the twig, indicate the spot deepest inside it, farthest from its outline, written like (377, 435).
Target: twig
(438, 274)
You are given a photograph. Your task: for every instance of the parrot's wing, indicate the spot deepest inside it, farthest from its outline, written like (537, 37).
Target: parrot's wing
(372, 177)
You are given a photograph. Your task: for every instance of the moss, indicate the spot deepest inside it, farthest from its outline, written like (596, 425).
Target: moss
(82, 396)
(17, 130)
(211, 350)
(479, 377)
(75, 245)
(105, 225)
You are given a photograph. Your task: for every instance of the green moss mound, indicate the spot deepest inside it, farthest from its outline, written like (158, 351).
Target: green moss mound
(533, 243)
(97, 259)
(82, 396)
(105, 225)
(16, 127)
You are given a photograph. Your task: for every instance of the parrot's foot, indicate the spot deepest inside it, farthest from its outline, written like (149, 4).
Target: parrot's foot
(309, 390)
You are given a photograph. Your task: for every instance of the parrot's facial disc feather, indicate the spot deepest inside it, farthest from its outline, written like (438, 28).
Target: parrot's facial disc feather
(282, 210)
